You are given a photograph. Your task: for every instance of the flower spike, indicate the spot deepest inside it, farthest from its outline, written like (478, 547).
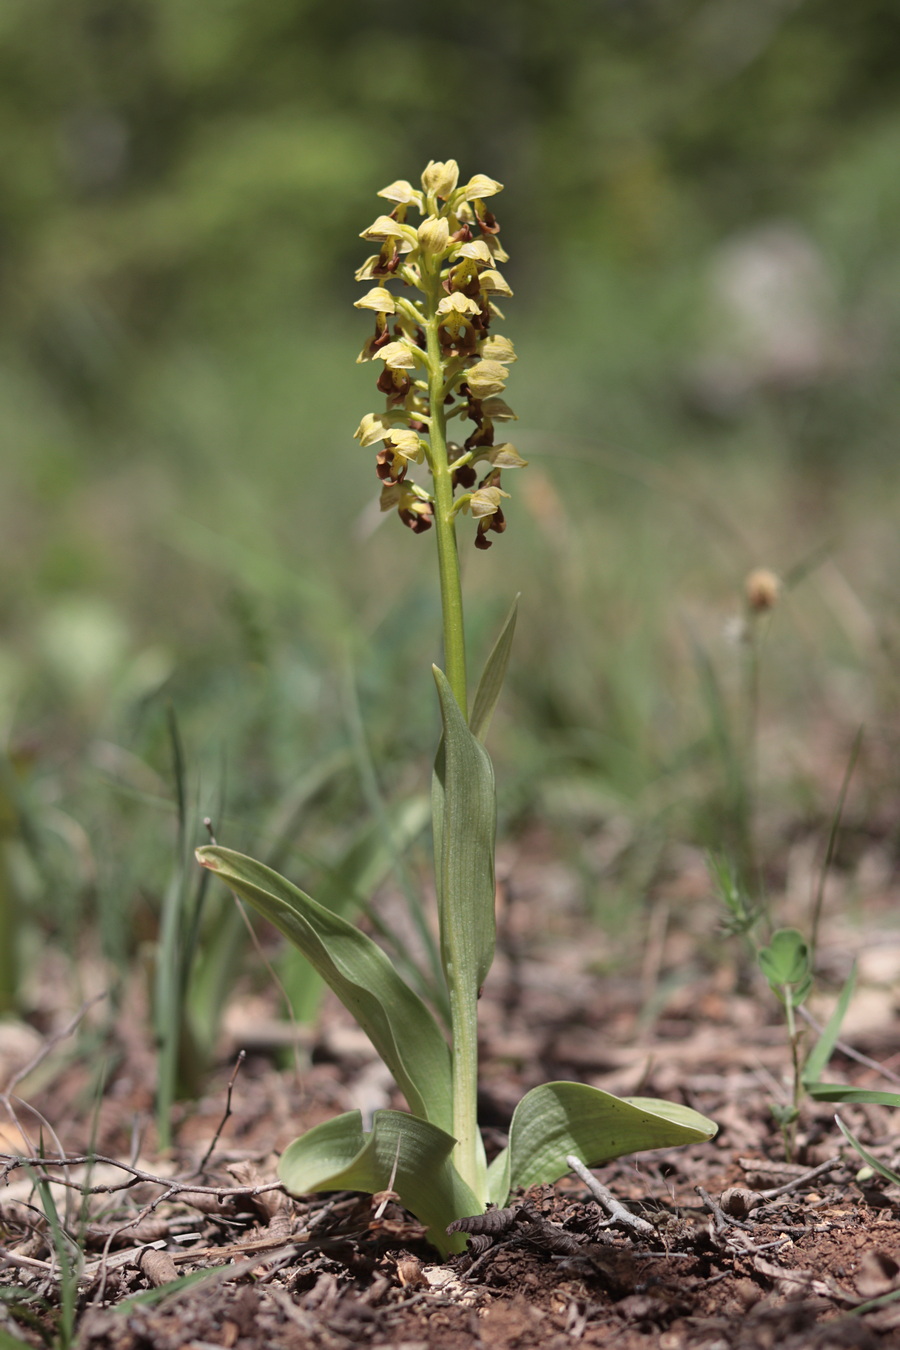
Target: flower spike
(441, 358)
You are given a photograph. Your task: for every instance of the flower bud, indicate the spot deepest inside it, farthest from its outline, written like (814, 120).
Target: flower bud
(433, 234)
(440, 178)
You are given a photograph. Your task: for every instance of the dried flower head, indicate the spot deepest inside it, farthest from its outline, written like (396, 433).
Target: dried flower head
(762, 588)
(441, 358)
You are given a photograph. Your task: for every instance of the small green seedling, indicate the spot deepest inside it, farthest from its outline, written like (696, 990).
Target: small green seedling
(786, 965)
(441, 363)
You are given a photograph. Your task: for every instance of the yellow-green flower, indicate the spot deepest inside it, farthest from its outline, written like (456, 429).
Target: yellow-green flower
(433, 292)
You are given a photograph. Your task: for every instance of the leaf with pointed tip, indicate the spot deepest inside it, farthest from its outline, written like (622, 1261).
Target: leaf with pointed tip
(498, 1186)
(464, 808)
(491, 682)
(868, 1158)
(396, 1021)
(402, 1153)
(368, 860)
(840, 1092)
(556, 1119)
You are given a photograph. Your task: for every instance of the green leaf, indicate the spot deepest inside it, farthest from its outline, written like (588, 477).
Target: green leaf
(785, 963)
(491, 682)
(402, 1153)
(10, 1342)
(465, 823)
(498, 1179)
(397, 1022)
(368, 860)
(840, 1092)
(866, 1156)
(824, 1047)
(557, 1119)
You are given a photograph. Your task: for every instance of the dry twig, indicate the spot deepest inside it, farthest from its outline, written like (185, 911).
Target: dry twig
(619, 1215)
(223, 1122)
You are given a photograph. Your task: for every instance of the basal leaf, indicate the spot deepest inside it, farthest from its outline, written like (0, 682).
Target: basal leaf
(397, 1022)
(491, 682)
(557, 1119)
(402, 1152)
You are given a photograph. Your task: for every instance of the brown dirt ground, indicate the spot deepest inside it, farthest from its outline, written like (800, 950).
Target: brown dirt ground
(742, 1250)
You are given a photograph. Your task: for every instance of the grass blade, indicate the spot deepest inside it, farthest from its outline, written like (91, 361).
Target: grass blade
(840, 1092)
(824, 1047)
(868, 1158)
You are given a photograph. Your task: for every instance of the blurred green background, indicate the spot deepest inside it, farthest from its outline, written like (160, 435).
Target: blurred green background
(702, 206)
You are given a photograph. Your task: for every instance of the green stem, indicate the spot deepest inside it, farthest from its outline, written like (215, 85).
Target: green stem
(468, 1155)
(751, 751)
(444, 518)
(790, 1130)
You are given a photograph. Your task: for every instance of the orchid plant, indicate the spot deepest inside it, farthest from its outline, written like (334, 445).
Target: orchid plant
(443, 366)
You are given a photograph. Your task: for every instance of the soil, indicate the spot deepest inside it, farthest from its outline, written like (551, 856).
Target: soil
(738, 1247)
